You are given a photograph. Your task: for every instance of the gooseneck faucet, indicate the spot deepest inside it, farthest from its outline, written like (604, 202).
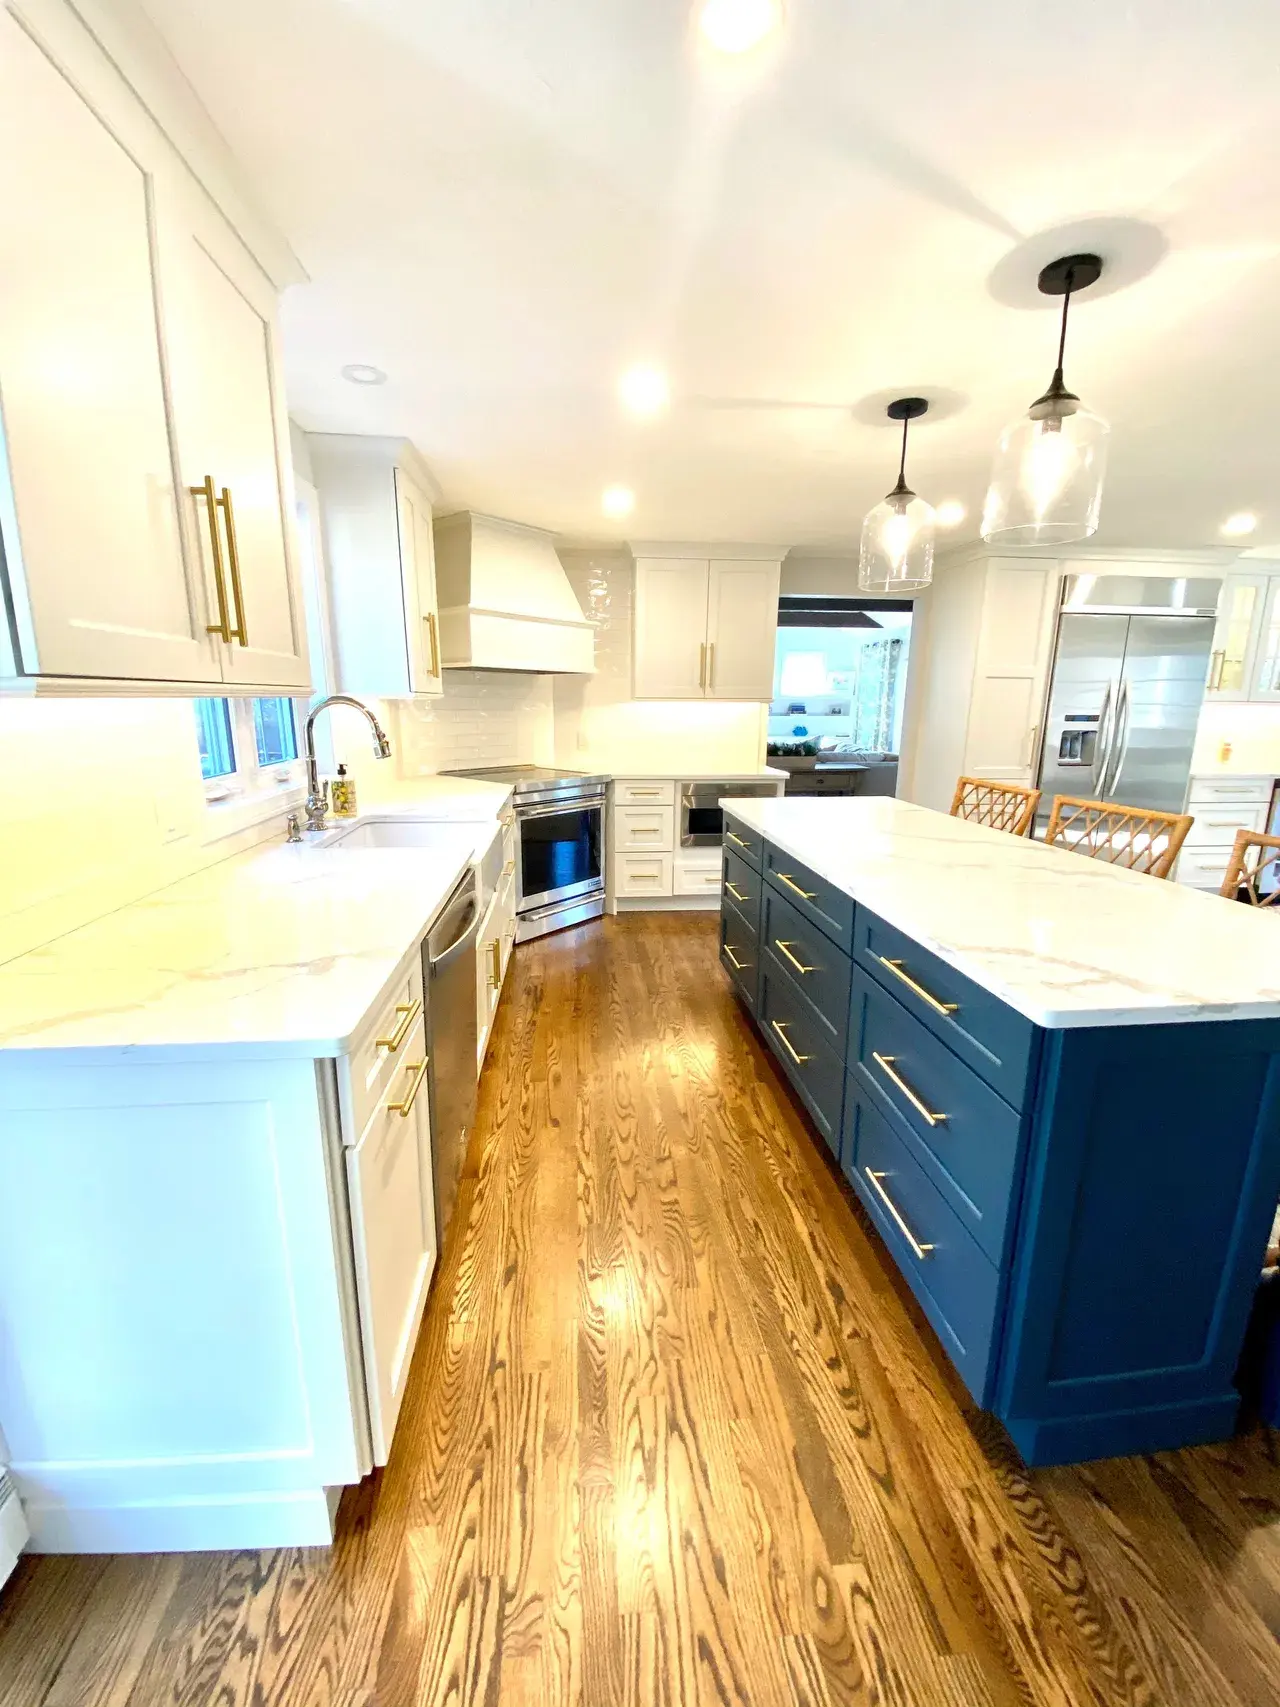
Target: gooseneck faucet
(318, 794)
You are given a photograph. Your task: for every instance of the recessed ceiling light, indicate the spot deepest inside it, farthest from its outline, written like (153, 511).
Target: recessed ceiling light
(364, 373)
(950, 513)
(618, 501)
(644, 390)
(1244, 521)
(736, 26)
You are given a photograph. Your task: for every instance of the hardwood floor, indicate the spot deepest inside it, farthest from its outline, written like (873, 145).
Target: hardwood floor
(675, 1437)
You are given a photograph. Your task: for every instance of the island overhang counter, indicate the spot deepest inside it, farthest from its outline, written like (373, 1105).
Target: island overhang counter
(1054, 1086)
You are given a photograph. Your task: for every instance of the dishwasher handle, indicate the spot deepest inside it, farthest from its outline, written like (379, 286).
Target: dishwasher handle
(462, 930)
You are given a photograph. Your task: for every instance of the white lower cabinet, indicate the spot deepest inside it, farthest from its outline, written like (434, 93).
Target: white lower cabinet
(389, 1177)
(212, 1282)
(636, 874)
(494, 947)
(1220, 807)
(697, 871)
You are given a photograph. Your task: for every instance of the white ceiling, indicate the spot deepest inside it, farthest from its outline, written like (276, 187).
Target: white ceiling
(505, 202)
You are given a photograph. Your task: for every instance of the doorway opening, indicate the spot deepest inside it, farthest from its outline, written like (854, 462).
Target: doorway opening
(839, 687)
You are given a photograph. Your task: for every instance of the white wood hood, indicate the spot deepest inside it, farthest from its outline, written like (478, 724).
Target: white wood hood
(505, 601)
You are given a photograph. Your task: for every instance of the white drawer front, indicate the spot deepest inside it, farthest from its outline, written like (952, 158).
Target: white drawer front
(1206, 792)
(696, 877)
(1203, 868)
(642, 874)
(643, 827)
(1216, 826)
(382, 1047)
(393, 1227)
(644, 793)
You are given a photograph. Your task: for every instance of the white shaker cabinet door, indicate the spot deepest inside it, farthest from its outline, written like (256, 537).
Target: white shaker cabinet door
(394, 1233)
(88, 510)
(418, 570)
(742, 629)
(671, 628)
(232, 432)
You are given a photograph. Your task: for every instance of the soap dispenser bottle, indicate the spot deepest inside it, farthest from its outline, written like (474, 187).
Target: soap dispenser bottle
(342, 795)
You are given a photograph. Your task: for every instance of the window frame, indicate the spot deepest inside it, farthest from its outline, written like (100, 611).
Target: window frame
(252, 792)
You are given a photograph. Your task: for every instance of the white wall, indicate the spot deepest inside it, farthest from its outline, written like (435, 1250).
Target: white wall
(1252, 733)
(598, 725)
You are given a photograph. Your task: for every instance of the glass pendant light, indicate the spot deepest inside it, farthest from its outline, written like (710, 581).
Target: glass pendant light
(1046, 485)
(897, 536)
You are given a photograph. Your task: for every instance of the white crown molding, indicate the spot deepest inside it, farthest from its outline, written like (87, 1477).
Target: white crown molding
(702, 548)
(1216, 556)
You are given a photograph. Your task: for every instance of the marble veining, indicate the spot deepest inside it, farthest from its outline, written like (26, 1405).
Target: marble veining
(282, 952)
(1066, 940)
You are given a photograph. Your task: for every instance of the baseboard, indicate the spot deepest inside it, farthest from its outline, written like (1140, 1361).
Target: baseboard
(1122, 1434)
(300, 1519)
(668, 904)
(13, 1526)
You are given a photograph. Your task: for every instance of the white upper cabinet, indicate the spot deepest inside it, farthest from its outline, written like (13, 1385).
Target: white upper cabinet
(742, 629)
(137, 357)
(705, 628)
(670, 628)
(1245, 661)
(233, 443)
(92, 542)
(376, 517)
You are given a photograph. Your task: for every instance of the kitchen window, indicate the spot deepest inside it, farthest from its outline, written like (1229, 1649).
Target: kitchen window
(248, 759)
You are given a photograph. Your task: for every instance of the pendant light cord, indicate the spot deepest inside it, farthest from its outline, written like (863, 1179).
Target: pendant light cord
(1058, 382)
(902, 462)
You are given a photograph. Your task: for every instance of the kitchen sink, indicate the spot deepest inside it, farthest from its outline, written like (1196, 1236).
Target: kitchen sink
(392, 833)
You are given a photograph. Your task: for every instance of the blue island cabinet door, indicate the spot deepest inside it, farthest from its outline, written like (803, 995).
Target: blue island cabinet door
(1152, 1180)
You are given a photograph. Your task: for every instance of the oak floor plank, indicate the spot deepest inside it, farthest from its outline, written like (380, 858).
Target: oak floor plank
(676, 1434)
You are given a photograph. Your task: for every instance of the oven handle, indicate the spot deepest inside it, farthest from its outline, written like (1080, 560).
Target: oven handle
(584, 804)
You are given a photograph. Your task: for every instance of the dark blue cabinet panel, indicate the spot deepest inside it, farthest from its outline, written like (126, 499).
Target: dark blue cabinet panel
(740, 952)
(997, 1042)
(954, 1281)
(820, 902)
(962, 1134)
(1152, 1179)
(819, 968)
(746, 843)
(803, 1047)
(742, 886)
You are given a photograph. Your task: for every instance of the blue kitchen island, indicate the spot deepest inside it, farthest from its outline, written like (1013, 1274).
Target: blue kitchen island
(1054, 1086)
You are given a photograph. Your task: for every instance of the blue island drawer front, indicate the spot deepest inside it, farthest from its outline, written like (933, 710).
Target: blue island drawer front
(747, 844)
(821, 902)
(819, 968)
(996, 1041)
(801, 1045)
(962, 1134)
(742, 886)
(739, 952)
(956, 1284)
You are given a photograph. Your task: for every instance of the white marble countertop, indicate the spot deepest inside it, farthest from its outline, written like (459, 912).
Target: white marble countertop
(1066, 940)
(281, 951)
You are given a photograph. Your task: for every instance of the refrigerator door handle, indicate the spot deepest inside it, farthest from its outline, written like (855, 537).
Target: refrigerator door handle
(1104, 742)
(1120, 745)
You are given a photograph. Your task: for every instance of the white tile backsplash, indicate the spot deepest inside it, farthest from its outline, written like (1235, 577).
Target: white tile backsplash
(485, 717)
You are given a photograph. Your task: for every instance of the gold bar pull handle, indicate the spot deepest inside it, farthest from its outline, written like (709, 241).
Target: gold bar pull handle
(780, 1026)
(702, 665)
(222, 628)
(922, 1251)
(895, 966)
(240, 632)
(805, 894)
(738, 965)
(785, 947)
(711, 667)
(738, 839)
(885, 1064)
(1216, 666)
(408, 1012)
(434, 638)
(736, 892)
(404, 1107)
(495, 969)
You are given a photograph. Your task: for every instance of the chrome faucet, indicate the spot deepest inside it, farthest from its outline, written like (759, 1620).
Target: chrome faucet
(318, 794)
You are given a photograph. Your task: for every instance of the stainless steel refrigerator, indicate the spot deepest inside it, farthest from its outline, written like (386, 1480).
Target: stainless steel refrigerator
(1128, 677)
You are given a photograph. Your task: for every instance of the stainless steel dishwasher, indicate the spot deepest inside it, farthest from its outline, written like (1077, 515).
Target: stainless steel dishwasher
(449, 973)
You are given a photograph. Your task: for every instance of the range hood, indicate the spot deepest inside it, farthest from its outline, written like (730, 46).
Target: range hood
(505, 600)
